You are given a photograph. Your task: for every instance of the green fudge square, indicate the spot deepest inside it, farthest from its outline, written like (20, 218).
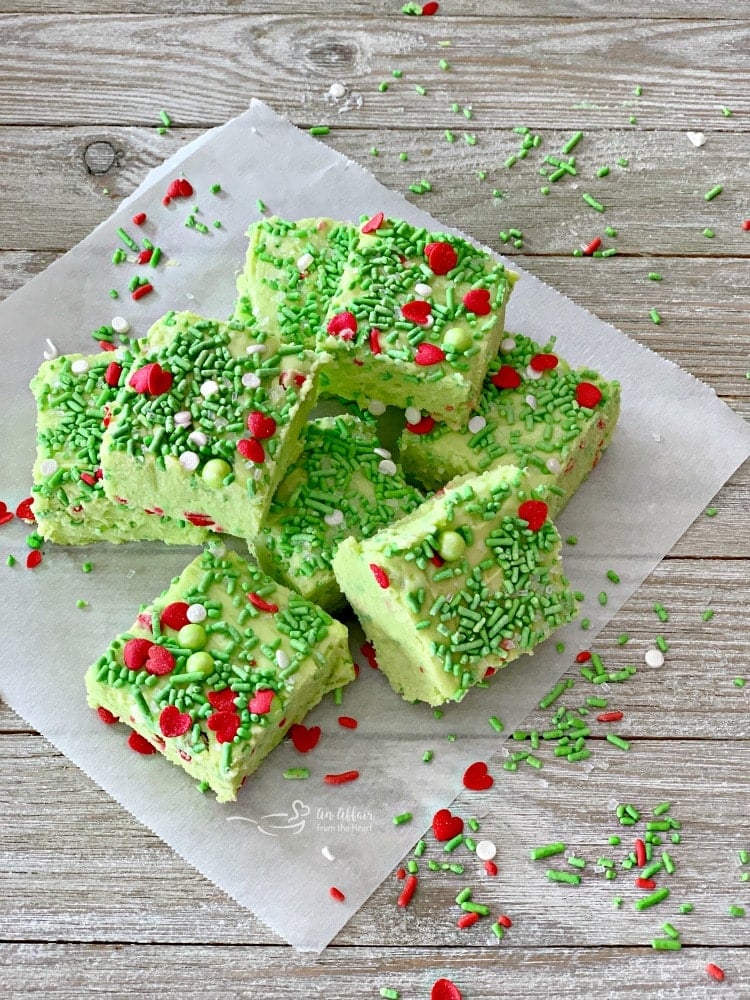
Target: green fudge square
(292, 270)
(469, 581)
(207, 422)
(215, 671)
(415, 322)
(535, 412)
(74, 395)
(342, 484)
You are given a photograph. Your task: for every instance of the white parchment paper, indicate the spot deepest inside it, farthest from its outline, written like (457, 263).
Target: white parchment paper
(674, 448)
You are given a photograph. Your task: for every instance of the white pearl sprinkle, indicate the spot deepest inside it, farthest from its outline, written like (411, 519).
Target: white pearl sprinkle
(51, 353)
(257, 473)
(183, 418)
(429, 321)
(533, 375)
(48, 467)
(326, 852)
(413, 415)
(304, 261)
(337, 90)
(387, 467)
(282, 659)
(654, 658)
(250, 380)
(382, 452)
(424, 291)
(376, 407)
(209, 388)
(531, 401)
(486, 850)
(476, 424)
(508, 345)
(196, 613)
(198, 438)
(335, 518)
(189, 461)
(120, 325)
(255, 349)
(553, 466)
(80, 367)
(697, 138)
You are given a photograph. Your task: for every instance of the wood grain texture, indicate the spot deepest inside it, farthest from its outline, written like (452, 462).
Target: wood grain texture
(205, 69)
(81, 85)
(489, 973)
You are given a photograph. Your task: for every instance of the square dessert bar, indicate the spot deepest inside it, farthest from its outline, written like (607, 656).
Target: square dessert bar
(74, 395)
(466, 583)
(207, 421)
(342, 484)
(292, 271)
(415, 321)
(534, 412)
(215, 671)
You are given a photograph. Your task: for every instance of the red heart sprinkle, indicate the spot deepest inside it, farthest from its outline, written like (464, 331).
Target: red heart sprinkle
(535, 512)
(588, 395)
(477, 301)
(24, 511)
(368, 651)
(135, 653)
(490, 672)
(380, 575)
(441, 257)
(417, 311)
(6, 516)
(491, 868)
(139, 379)
(199, 520)
(429, 354)
(375, 341)
(144, 256)
(113, 373)
(374, 223)
(179, 188)
(222, 701)
(261, 426)
(304, 738)
(173, 722)
(106, 716)
(544, 362)
(88, 478)
(139, 218)
(427, 11)
(342, 323)
(159, 381)
(160, 661)
(288, 378)
(140, 744)
(225, 725)
(257, 602)
(175, 615)
(261, 701)
(444, 989)
(477, 778)
(445, 826)
(423, 426)
(252, 450)
(506, 378)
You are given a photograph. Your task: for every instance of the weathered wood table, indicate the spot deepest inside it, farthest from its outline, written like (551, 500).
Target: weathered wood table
(94, 904)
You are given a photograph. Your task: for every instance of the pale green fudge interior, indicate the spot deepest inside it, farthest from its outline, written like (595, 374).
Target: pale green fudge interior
(212, 439)
(339, 486)
(419, 341)
(74, 402)
(292, 269)
(463, 584)
(540, 425)
(242, 660)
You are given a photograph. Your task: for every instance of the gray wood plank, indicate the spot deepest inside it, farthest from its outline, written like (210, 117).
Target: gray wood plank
(689, 69)
(488, 973)
(131, 887)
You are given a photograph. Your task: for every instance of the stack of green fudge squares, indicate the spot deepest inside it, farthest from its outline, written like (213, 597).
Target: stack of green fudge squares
(442, 544)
